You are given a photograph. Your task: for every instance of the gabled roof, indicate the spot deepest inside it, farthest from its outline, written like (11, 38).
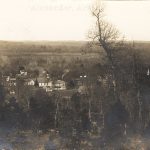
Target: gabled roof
(29, 80)
(43, 80)
(12, 79)
(59, 82)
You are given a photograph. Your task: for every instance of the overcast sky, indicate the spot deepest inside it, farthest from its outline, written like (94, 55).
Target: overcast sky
(69, 19)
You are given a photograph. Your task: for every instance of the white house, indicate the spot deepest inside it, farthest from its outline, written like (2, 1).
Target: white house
(43, 82)
(23, 73)
(12, 92)
(59, 85)
(12, 82)
(31, 82)
(49, 89)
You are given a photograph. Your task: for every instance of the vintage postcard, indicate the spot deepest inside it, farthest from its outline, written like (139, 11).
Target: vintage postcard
(74, 74)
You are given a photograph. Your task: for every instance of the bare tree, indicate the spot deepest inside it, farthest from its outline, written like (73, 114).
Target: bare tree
(106, 36)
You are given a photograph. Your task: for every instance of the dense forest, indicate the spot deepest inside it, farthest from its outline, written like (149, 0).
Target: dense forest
(98, 113)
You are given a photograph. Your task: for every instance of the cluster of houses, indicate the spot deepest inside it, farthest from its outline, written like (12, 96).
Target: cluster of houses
(44, 82)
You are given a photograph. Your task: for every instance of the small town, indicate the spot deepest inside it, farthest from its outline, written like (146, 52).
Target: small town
(75, 75)
(44, 82)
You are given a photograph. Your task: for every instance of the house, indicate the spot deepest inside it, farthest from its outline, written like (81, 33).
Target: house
(44, 82)
(9, 81)
(7, 78)
(12, 82)
(23, 73)
(49, 89)
(29, 82)
(59, 85)
(12, 92)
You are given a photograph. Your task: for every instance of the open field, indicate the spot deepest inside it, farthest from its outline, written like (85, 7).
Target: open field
(66, 50)
(40, 47)
(60, 47)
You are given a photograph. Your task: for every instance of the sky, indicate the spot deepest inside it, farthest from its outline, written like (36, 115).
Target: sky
(61, 20)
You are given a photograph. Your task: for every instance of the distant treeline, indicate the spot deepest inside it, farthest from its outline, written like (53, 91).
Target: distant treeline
(46, 47)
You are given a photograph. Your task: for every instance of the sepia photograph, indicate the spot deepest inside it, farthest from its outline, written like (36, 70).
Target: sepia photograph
(75, 75)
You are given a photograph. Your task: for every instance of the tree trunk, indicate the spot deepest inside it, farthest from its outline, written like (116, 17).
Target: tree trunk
(140, 105)
(102, 115)
(56, 113)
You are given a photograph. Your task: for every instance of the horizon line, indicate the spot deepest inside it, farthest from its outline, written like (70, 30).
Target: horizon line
(64, 40)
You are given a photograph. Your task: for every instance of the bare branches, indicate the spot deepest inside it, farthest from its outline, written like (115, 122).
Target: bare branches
(93, 34)
(104, 32)
(108, 32)
(97, 9)
(97, 12)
